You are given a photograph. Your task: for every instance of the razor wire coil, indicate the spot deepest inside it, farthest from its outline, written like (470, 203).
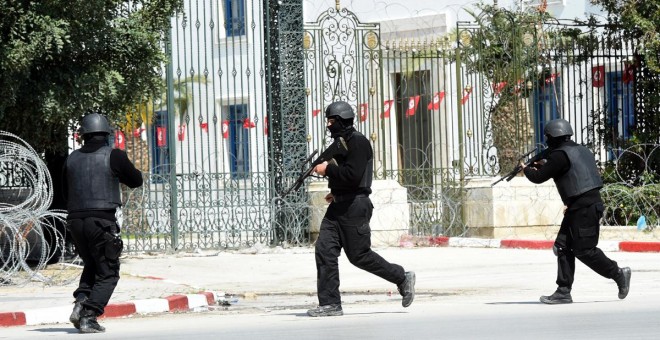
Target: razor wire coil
(30, 244)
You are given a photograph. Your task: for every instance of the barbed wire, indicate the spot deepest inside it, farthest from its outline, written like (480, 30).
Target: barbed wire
(31, 246)
(632, 198)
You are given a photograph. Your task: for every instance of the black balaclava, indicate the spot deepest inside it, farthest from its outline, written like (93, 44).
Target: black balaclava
(96, 138)
(555, 142)
(341, 127)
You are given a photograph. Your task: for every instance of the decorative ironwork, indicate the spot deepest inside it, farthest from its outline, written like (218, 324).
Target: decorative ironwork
(286, 101)
(254, 113)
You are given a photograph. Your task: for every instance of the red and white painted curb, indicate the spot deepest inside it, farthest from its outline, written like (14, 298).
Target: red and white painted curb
(444, 241)
(174, 303)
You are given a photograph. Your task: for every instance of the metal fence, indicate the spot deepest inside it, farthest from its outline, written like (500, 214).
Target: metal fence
(244, 105)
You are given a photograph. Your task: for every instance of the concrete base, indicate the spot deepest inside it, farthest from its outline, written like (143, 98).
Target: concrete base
(391, 215)
(514, 209)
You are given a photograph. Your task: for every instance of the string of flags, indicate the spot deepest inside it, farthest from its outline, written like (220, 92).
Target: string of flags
(161, 132)
(413, 104)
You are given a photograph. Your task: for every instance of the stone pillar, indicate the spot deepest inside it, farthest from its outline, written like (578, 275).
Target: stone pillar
(515, 209)
(391, 216)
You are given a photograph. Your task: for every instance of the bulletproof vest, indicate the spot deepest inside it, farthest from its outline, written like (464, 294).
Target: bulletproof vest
(368, 175)
(91, 183)
(582, 175)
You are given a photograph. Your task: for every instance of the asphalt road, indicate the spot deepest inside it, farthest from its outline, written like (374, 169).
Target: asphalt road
(430, 317)
(463, 293)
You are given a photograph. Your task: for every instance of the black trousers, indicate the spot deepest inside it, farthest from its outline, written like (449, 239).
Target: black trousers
(346, 225)
(578, 238)
(101, 272)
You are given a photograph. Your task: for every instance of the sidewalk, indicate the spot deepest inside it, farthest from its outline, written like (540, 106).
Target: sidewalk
(262, 277)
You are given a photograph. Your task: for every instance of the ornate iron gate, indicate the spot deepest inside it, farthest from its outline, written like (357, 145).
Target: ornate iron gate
(346, 60)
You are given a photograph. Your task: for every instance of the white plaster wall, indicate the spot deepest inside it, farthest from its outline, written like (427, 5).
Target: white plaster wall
(391, 215)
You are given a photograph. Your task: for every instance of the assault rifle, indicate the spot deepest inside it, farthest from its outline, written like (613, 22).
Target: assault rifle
(541, 153)
(338, 147)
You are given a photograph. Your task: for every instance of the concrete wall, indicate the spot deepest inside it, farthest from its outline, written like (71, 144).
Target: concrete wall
(391, 215)
(512, 209)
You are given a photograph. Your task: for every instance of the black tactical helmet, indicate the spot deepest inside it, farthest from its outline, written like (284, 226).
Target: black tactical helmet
(557, 128)
(340, 109)
(94, 123)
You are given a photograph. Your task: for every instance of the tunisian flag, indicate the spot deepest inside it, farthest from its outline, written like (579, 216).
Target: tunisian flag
(598, 76)
(161, 136)
(628, 73)
(138, 132)
(437, 99)
(120, 140)
(364, 111)
(466, 94)
(412, 106)
(498, 87)
(225, 129)
(387, 106)
(248, 123)
(181, 134)
(266, 125)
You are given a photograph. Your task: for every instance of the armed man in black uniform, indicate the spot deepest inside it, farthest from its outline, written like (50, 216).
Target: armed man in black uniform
(91, 180)
(574, 170)
(346, 222)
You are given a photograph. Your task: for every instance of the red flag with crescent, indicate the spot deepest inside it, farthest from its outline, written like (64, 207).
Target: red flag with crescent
(598, 76)
(437, 99)
(412, 106)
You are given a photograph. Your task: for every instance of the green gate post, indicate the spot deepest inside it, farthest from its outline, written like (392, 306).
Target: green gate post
(285, 91)
(461, 154)
(171, 141)
(459, 109)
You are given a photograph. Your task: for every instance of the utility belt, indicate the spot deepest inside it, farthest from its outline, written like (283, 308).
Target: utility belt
(347, 197)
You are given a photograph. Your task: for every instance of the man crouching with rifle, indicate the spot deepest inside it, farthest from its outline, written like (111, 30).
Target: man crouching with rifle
(346, 222)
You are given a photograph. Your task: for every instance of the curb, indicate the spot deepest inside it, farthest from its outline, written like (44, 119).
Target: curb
(174, 303)
(408, 241)
(187, 302)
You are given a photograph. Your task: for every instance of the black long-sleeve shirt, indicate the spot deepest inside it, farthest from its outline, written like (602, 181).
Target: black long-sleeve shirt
(555, 166)
(121, 167)
(345, 178)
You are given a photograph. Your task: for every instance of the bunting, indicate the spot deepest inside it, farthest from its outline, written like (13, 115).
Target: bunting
(364, 111)
(628, 73)
(412, 106)
(497, 88)
(138, 132)
(248, 124)
(266, 125)
(437, 99)
(181, 133)
(466, 94)
(225, 129)
(161, 136)
(387, 106)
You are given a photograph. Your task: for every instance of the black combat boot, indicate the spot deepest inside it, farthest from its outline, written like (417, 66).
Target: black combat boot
(77, 309)
(88, 323)
(561, 295)
(623, 281)
(407, 289)
(326, 310)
